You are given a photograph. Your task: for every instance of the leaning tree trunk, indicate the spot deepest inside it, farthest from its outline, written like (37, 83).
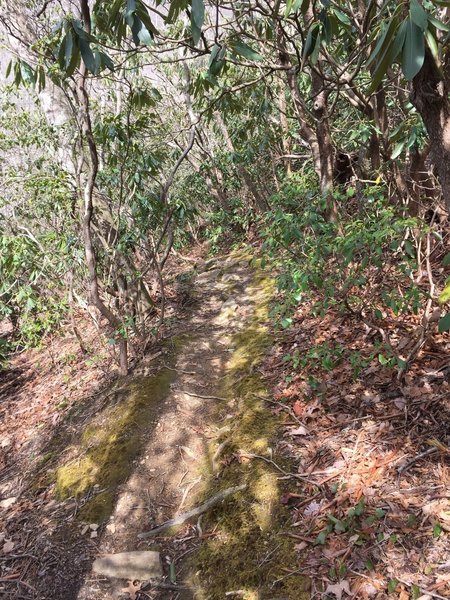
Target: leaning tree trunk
(86, 125)
(430, 97)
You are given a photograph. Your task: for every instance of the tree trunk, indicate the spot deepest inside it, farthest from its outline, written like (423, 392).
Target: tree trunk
(430, 97)
(259, 203)
(86, 125)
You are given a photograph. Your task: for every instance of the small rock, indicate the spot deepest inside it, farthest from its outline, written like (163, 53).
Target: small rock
(138, 565)
(8, 546)
(7, 502)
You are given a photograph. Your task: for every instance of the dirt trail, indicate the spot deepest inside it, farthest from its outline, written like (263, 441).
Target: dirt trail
(191, 421)
(166, 477)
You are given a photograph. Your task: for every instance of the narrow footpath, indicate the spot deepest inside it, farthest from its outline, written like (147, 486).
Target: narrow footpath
(203, 437)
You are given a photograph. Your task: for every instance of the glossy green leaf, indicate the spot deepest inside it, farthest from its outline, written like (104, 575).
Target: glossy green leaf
(62, 53)
(246, 51)
(327, 29)
(398, 150)
(106, 61)
(293, 6)
(68, 49)
(445, 294)
(444, 323)
(432, 44)
(392, 585)
(343, 18)
(197, 19)
(214, 52)
(140, 32)
(399, 40)
(311, 40)
(413, 50)
(438, 24)
(382, 42)
(446, 260)
(387, 55)
(216, 59)
(87, 55)
(28, 73)
(145, 18)
(418, 15)
(82, 33)
(74, 62)
(198, 12)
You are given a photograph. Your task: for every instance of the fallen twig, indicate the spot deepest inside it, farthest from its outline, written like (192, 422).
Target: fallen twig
(151, 585)
(181, 371)
(194, 512)
(280, 469)
(195, 395)
(415, 459)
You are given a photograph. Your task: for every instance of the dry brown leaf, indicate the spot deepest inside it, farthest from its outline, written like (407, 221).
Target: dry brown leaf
(301, 546)
(301, 430)
(338, 589)
(132, 589)
(298, 408)
(7, 502)
(8, 546)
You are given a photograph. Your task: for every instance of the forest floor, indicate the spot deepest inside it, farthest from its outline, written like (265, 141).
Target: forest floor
(346, 473)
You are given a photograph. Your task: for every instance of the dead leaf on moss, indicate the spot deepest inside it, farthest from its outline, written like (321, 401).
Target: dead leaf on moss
(298, 408)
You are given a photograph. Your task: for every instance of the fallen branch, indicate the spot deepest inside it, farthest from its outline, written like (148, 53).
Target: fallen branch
(199, 395)
(194, 512)
(415, 459)
(278, 468)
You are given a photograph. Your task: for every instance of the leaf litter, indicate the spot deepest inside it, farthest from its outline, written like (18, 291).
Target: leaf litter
(376, 452)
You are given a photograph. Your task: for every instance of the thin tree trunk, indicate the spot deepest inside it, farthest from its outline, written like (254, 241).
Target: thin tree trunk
(83, 100)
(259, 203)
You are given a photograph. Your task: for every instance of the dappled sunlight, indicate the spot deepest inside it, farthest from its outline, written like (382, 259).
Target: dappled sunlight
(249, 538)
(109, 445)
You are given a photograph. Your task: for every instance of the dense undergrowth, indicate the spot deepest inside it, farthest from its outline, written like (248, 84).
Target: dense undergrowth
(376, 264)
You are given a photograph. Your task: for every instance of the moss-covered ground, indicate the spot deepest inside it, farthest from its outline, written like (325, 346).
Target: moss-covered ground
(249, 551)
(109, 444)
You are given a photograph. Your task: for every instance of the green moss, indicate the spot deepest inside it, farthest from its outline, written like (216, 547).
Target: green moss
(98, 509)
(110, 443)
(250, 548)
(44, 459)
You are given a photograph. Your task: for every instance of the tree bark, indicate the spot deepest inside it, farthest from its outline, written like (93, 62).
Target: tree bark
(430, 97)
(259, 203)
(86, 124)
